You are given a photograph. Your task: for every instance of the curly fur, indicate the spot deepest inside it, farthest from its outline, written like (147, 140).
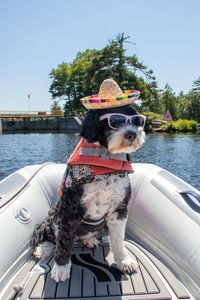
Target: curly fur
(108, 199)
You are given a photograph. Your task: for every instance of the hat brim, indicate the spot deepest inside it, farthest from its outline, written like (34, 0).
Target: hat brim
(94, 102)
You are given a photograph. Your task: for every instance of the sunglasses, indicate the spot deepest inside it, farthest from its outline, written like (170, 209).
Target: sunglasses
(117, 120)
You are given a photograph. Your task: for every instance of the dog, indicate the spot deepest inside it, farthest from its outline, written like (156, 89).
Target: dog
(91, 204)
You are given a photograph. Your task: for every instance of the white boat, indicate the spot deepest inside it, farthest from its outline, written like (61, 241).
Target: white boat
(163, 233)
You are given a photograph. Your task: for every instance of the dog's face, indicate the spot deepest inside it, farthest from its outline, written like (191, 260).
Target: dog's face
(119, 129)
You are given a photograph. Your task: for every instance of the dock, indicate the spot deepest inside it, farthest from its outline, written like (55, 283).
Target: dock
(38, 120)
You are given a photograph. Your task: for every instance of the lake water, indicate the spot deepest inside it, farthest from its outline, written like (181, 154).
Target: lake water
(177, 153)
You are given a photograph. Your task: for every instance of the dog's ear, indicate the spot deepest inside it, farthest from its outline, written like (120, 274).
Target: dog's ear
(91, 128)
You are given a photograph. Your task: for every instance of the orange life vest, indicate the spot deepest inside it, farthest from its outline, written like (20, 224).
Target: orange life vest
(100, 165)
(100, 160)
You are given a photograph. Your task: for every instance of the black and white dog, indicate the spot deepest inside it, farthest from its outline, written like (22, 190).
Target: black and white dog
(86, 209)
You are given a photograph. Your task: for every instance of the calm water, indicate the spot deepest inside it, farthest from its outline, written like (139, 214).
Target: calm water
(177, 153)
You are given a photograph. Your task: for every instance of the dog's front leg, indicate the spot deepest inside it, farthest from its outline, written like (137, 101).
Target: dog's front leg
(62, 254)
(69, 216)
(116, 228)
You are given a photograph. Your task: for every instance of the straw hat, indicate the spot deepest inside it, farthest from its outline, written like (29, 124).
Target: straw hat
(110, 95)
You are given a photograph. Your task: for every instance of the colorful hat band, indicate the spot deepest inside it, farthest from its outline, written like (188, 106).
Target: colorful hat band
(95, 99)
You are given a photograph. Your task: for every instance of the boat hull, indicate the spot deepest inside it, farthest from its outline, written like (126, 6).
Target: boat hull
(162, 219)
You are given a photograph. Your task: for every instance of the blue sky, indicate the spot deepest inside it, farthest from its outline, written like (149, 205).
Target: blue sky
(37, 35)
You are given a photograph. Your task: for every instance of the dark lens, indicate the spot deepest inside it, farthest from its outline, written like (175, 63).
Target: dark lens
(117, 120)
(138, 121)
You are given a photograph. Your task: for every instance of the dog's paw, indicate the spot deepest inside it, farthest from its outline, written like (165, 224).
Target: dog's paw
(44, 250)
(91, 242)
(60, 273)
(128, 265)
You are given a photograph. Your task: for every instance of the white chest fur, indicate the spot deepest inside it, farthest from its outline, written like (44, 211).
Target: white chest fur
(103, 198)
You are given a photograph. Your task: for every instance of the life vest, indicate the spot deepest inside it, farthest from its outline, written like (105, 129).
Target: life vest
(100, 159)
(92, 163)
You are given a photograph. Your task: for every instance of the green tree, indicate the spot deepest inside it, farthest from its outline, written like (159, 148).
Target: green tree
(196, 86)
(55, 105)
(169, 101)
(193, 106)
(82, 77)
(192, 102)
(60, 86)
(181, 106)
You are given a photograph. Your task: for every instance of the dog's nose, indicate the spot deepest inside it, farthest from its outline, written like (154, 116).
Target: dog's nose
(130, 135)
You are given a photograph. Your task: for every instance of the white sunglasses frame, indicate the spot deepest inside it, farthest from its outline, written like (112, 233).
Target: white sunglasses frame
(128, 117)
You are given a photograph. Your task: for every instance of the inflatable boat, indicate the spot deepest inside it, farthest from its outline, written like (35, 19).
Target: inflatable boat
(163, 234)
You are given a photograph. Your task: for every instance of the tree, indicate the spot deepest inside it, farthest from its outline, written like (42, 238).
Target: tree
(82, 77)
(168, 100)
(193, 107)
(192, 102)
(181, 106)
(60, 86)
(196, 86)
(55, 105)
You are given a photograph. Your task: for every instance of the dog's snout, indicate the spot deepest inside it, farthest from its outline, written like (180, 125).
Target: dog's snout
(130, 135)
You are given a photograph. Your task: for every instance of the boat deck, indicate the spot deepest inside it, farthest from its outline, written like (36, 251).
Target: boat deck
(92, 278)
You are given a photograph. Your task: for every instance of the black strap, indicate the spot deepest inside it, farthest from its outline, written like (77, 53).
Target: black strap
(93, 225)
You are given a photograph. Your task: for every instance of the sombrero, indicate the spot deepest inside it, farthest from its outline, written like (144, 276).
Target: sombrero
(110, 95)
